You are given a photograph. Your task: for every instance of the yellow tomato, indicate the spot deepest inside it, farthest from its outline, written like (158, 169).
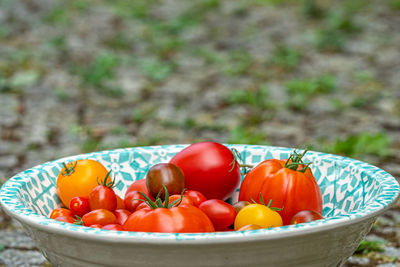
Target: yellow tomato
(78, 178)
(259, 215)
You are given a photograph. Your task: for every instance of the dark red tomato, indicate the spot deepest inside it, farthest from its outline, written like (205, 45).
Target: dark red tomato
(165, 174)
(196, 196)
(113, 227)
(131, 200)
(67, 219)
(96, 226)
(60, 212)
(306, 216)
(120, 203)
(121, 215)
(209, 168)
(79, 206)
(186, 200)
(103, 197)
(182, 219)
(100, 216)
(140, 186)
(221, 213)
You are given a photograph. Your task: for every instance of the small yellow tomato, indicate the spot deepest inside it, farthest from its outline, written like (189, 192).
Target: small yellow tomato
(257, 214)
(249, 227)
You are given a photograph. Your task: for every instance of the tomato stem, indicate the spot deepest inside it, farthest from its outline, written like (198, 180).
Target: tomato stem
(237, 158)
(68, 170)
(295, 161)
(110, 184)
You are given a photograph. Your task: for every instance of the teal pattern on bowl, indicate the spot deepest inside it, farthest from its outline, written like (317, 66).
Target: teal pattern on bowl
(351, 189)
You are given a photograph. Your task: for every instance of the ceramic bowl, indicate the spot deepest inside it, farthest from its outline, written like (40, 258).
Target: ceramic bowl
(354, 194)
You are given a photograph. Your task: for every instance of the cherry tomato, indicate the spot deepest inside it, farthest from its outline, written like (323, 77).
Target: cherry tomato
(209, 168)
(140, 186)
(131, 200)
(305, 216)
(181, 219)
(142, 205)
(121, 215)
(120, 203)
(289, 183)
(79, 206)
(220, 213)
(196, 196)
(257, 214)
(67, 219)
(100, 216)
(185, 200)
(60, 212)
(166, 174)
(103, 196)
(240, 205)
(78, 178)
(249, 227)
(113, 227)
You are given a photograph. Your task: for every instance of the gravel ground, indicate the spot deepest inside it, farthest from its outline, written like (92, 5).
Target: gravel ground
(82, 76)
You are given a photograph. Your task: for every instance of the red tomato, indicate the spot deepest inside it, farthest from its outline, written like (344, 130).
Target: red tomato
(140, 186)
(131, 200)
(121, 215)
(96, 226)
(60, 212)
(79, 206)
(100, 216)
(288, 188)
(185, 200)
(221, 213)
(103, 196)
(142, 205)
(120, 203)
(165, 174)
(196, 196)
(182, 219)
(209, 168)
(67, 219)
(305, 216)
(113, 227)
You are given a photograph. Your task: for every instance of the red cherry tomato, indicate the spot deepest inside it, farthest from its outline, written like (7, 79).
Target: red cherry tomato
(120, 203)
(131, 200)
(79, 206)
(186, 200)
(100, 216)
(113, 227)
(140, 186)
(306, 216)
(196, 196)
(103, 196)
(121, 215)
(60, 212)
(181, 219)
(221, 213)
(209, 168)
(142, 205)
(67, 219)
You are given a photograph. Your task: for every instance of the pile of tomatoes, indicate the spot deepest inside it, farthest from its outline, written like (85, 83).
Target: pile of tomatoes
(188, 194)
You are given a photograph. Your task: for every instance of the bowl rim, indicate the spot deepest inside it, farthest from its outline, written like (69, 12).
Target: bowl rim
(12, 205)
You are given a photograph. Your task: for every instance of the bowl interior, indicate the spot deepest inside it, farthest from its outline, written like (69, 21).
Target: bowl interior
(346, 185)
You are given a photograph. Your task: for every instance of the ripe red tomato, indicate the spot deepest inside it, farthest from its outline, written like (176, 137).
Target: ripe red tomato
(196, 196)
(284, 184)
(305, 216)
(221, 213)
(67, 219)
(185, 200)
(100, 216)
(60, 212)
(113, 227)
(79, 206)
(165, 174)
(182, 219)
(121, 215)
(209, 168)
(103, 196)
(131, 201)
(142, 205)
(140, 186)
(96, 226)
(120, 203)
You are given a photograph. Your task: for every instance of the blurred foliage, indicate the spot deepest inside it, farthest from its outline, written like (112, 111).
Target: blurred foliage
(367, 246)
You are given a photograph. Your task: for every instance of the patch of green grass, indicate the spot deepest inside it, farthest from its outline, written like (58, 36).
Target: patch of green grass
(286, 57)
(247, 135)
(367, 246)
(57, 15)
(238, 63)
(257, 98)
(300, 91)
(155, 69)
(394, 4)
(311, 9)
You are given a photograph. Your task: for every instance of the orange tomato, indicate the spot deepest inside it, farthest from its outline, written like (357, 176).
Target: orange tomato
(78, 178)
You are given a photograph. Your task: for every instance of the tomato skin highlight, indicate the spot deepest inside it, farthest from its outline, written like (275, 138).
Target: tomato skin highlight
(196, 196)
(100, 216)
(221, 214)
(121, 215)
(209, 168)
(131, 201)
(79, 206)
(60, 212)
(103, 197)
(182, 219)
(291, 190)
(140, 186)
(80, 181)
(305, 216)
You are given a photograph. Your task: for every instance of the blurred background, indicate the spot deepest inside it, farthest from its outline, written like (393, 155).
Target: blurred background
(83, 75)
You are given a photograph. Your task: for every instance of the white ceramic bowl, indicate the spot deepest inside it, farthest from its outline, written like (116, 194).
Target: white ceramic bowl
(354, 194)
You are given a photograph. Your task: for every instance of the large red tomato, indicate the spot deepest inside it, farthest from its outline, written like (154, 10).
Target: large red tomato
(181, 219)
(289, 184)
(209, 168)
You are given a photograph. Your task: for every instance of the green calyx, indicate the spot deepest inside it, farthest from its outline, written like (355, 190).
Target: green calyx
(269, 203)
(158, 203)
(68, 170)
(295, 160)
(104, 182)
